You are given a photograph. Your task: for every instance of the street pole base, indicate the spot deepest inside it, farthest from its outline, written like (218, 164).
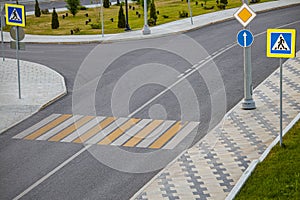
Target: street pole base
(146, 30)
(127, 27)
(248, 104)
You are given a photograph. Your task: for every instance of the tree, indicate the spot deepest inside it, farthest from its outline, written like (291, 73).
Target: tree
(153, 14)
(55, 22)
(121, 22)
(106, 3)
(37, 10)
(73, 6)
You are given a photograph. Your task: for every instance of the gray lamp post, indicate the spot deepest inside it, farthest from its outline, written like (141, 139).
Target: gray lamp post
(127, 27)
(146, 30)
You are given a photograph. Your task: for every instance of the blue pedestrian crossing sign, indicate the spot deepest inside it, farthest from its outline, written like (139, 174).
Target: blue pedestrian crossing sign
(281, 43)
(245, 38)
(15, 15)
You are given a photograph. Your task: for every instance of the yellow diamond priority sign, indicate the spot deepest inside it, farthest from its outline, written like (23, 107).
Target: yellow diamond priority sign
(245, 15)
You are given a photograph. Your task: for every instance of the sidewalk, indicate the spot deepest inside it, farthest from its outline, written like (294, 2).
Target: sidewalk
(40, 86)
(157, 31)
(212, 168)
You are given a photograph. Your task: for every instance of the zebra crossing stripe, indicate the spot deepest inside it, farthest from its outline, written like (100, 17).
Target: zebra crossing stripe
(103, 133)
(96, 129)
(59, 128)
(36, 126)
(143, 133)
(128, 132)
(71, 129)
(47, 127)
(167, 135)
(83, 129)
(119, 131)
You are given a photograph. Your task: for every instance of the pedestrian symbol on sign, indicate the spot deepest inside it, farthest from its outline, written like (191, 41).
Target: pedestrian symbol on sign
(15, 16)
(280, 44)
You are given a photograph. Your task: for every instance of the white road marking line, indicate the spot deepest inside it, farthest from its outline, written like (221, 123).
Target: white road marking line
(36, 126)
(171, 144)
(88, 146)
(131, 132)
(156, 133)
(51, 172)
(180, 75)
(188, 70)
(59, 128)
(83, 129)
(106, 131)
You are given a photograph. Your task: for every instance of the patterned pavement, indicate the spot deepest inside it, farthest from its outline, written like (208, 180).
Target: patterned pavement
(211, 168)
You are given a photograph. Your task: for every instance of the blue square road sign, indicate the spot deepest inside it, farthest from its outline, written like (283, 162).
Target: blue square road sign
(281, 43)
(15, 15)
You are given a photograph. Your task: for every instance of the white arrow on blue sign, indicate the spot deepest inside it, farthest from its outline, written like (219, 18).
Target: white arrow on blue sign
(245, 38)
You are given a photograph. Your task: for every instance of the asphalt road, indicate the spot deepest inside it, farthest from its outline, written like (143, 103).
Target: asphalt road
(89, 176)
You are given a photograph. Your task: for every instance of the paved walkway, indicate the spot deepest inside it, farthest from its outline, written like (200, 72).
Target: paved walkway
(40, 86)
(211, 169)
(157, 31)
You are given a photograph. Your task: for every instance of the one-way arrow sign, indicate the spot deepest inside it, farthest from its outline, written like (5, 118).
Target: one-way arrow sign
(245, 38)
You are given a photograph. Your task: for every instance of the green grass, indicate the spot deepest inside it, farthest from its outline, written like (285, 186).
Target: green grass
(42, 25)
(278, 176)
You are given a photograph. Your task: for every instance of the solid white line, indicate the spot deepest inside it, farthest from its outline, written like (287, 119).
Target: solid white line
(188, 70)
(52, 172)
(229, 46)
(180, 75)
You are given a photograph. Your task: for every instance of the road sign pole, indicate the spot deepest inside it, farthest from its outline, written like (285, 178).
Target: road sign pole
(18, 61)
(191, 13)
(102, 19)
(280, 63)
(2, 38)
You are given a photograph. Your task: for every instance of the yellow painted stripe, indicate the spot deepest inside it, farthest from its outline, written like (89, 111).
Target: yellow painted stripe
(47, 127)
(119, 131)
(167, 135)
(93, 131)
(71, 128)
(143, 133)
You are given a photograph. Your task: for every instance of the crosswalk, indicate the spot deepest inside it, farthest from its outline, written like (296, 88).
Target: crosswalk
(98, 130)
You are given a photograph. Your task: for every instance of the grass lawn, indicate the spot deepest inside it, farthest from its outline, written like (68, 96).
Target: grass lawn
(278, 176)
(168, 8)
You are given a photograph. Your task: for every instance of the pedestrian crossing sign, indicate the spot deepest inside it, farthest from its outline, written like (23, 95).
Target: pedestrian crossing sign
(15, 15)
(281, 43)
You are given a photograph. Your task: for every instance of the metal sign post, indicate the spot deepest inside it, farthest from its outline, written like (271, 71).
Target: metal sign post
(191, 13)
(2, 38)
(281, 44)
(245, 15)
(15, 16)
(146, 30)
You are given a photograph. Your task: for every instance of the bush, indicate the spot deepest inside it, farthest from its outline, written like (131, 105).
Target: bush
(151, 22)
(73, 6)
(183, 14)
(221, 6)
(76, 30)
(121, 18)
(165, 16)
(37, 10)
(55, 22)
(106, 4)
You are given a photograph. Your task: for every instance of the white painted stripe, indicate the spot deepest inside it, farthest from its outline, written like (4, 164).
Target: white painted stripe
(59, 128)
(51, 173)
(106, 131)
(198, 63)
(83, 129)
(131, 132)
(181, 135)
(188, 70)
(180, 75)
(36, 126)
(156, 134)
